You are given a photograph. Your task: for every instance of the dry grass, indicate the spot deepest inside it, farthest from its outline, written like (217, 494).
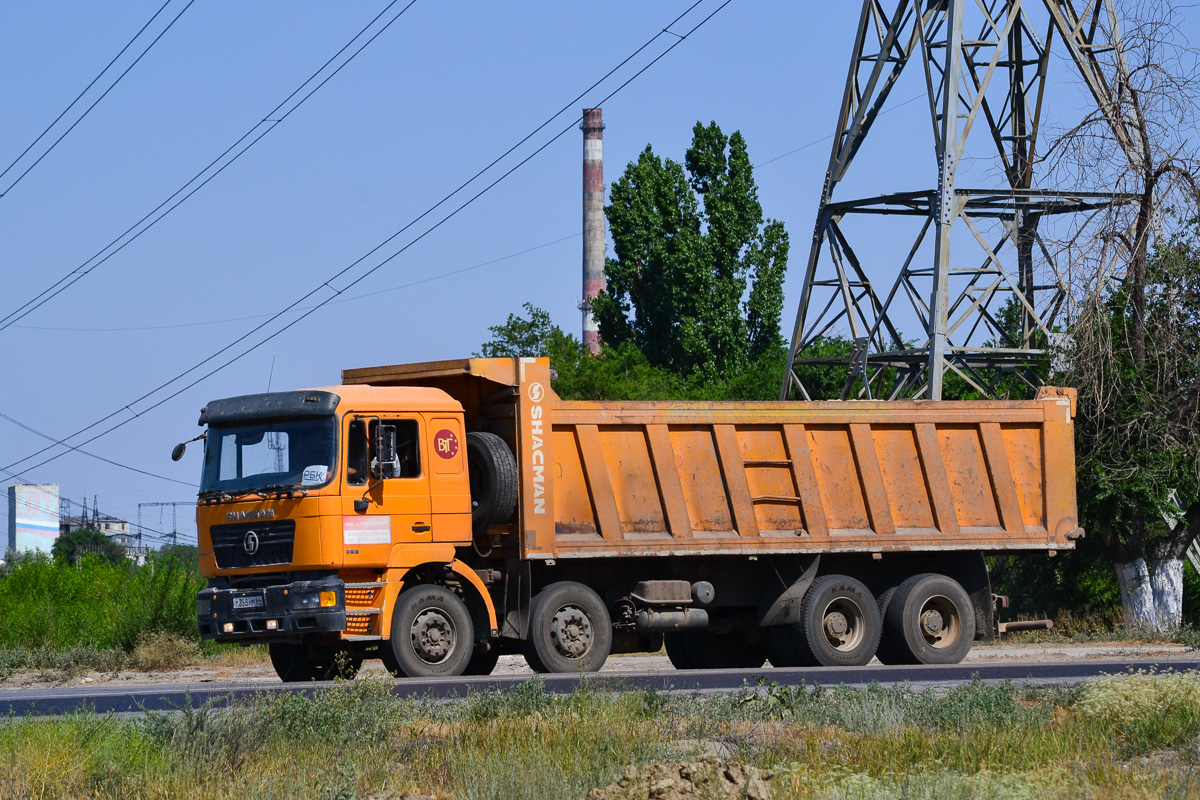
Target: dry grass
(1132, 736)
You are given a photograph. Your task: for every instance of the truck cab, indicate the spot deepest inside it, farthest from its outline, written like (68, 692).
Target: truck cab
(315, 505)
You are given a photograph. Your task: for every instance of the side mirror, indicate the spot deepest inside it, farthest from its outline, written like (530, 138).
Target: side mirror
(179, 450)
(385, 446)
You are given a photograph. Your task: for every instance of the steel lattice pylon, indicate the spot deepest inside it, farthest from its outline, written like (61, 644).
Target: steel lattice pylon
(992, 84)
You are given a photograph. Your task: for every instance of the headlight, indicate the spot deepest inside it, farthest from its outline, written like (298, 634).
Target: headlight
(203, 604)
(306, 600)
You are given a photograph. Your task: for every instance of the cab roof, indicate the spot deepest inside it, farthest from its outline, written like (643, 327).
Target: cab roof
(358, 397)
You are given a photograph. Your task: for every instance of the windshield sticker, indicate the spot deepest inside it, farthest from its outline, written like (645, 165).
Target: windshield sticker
(367, 530)
(316, 474)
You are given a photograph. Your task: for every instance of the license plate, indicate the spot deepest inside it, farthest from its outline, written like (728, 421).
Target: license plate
(250, 601)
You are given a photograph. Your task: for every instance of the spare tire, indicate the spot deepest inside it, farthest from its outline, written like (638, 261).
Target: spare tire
(492, 470)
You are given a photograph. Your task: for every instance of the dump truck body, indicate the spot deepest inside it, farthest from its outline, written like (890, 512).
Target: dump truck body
(738, 530)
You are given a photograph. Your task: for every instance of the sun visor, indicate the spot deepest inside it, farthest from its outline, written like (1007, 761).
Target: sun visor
(276, 405)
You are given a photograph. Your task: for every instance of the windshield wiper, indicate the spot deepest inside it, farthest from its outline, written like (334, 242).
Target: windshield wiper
(290, 489)
(215, 494)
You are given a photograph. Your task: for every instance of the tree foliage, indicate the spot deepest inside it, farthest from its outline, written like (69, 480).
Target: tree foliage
(86, 541)
(697, 282)
(1138, 428)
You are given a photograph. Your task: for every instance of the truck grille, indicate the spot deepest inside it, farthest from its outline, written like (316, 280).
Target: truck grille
(272, 543)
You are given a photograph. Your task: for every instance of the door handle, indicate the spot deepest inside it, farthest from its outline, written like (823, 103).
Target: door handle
(420, 528)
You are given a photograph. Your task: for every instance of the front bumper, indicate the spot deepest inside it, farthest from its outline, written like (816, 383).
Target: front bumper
(271, 613)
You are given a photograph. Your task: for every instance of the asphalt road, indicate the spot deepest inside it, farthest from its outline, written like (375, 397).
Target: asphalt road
(106, 699)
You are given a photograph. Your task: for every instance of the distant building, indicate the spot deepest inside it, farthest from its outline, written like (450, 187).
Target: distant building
(33, 516)
(112, 527)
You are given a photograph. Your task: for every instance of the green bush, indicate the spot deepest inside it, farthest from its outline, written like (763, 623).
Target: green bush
(55, 605)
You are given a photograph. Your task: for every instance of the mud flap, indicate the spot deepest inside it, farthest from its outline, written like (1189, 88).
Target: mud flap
(793, 576)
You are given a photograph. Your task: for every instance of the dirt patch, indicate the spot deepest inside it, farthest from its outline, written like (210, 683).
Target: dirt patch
(709, 779)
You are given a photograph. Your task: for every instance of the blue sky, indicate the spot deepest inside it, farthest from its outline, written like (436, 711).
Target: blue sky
(440, 94)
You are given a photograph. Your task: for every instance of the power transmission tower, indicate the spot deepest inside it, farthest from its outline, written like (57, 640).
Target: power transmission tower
(275, 441)
(174, 535)
(984, 67)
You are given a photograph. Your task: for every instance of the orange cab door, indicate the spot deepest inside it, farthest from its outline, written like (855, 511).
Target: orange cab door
(398, 506)
(449, 487)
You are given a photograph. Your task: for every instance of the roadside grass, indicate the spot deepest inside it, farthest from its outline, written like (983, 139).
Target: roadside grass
(1099, 628)
(153, 652)
(48, 604)
(1125, 736)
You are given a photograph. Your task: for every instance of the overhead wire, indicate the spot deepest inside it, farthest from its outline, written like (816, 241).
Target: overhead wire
(162, 535)
(680, 38)
(87, 88)
(355, 298)
(104, 94)
(81, 451)
(116, 245)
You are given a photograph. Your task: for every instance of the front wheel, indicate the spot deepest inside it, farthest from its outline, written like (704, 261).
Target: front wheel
(569, 630)
(300, 662)
(432, 635)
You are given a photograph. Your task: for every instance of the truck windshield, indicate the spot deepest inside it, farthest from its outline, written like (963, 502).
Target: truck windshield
(269, 455)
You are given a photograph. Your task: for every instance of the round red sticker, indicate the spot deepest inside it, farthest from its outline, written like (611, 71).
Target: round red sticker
(445, 443)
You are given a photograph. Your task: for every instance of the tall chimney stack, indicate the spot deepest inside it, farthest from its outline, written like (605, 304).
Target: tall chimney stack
(593, 222)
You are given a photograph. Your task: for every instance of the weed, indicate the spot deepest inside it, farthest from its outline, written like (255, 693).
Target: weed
(160, 651)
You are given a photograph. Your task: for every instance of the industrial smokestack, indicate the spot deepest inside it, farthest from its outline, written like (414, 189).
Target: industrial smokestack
(593, 222)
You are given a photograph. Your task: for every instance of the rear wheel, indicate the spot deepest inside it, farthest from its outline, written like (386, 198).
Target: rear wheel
(838, 627)
(708, 650)
(432, 635)
(884, 652)
(569, 630)
(929, 620)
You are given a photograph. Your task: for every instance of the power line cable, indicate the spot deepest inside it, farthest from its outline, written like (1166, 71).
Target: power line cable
(71, 105)
(104, 94)
(355, 298)
(162, 535)
(50, 438)
(680, 38)
(68, 280)
(816, 142)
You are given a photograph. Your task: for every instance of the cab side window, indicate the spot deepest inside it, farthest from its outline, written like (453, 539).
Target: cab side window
(408, 454)
(357, 453)
(362, 460)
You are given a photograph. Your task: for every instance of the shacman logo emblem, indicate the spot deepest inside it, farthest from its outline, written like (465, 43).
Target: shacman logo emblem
(251, 543)
(536, 392)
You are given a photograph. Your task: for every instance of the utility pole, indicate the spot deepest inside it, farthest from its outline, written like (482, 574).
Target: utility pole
(984, 66)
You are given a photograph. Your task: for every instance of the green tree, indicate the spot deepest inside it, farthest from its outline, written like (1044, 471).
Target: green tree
(1135, 356)
(84, 541)
(697, 284)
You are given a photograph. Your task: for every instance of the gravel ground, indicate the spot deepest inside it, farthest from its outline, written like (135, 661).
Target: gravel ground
(515, 665)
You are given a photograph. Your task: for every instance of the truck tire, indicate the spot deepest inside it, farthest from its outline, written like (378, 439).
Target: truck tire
(884, 652)
(838, 627)
(930, 620)
(569, 630)
(432, 635)
(708, 650)
(301, 663)
(492, 470)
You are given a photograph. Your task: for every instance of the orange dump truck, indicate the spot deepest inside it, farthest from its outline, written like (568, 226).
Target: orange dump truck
(438, 515)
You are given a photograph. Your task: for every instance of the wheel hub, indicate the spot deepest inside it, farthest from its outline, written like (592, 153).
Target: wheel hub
(843, 624)
(836, 625)
(432, 635)
(932, 622)
(571, 632)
